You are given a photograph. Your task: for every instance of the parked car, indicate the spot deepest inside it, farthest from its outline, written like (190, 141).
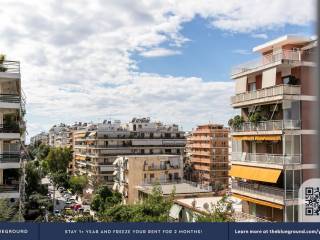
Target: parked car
(56, 212)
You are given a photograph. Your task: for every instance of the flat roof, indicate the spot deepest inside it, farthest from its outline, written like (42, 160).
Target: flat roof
(180, 188)
(278, 42)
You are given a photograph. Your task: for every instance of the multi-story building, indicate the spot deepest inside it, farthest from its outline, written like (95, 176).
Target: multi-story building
(12, 128)
(272, 140)
(209, 155)
(41, 138)
(134, 170)
(60, 136)
(97, 146)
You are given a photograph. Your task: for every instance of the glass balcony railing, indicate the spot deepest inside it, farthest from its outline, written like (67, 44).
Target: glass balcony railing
(273, 192)
(268, 126)
(265, 158)
(273, 91)
(9, 66)
(9, 128)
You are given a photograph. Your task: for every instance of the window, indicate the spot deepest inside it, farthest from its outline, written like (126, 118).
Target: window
(252, 87)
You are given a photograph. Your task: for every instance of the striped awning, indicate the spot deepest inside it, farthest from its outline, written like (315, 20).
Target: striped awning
(257, 138)
(257, 201)
(255, 173)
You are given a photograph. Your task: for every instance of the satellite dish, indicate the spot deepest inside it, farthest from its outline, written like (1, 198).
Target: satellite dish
(206, 206)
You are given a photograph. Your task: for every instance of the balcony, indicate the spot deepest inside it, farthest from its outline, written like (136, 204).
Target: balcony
(9, 191)
(9, 69)
(271, 194)
(10, 101)
(263, 126)
(283, 56)
(161, 167)
(265, 159)
(269, 94)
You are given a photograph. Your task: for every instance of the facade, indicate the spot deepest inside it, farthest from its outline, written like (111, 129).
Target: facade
(41, 138)
(136, 170)
(209, 158)
(97, 146)
(60, 136)
(272, 151)
(12, 128)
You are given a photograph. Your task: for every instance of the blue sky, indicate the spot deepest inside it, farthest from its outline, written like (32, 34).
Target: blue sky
(212, 52)
(169, 60)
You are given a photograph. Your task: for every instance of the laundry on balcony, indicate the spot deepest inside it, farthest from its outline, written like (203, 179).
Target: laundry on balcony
(257, 138)
(256, 201)
(255, 173)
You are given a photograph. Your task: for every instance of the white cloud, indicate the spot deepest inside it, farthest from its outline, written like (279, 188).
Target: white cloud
(260, 35)
(76, 56)
(159, 52)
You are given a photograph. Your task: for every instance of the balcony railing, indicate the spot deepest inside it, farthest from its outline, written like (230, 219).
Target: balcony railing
(244, 217)
(9, 66)
(9, 128)
(10, 98)
(9, 157)
(287, 55)
(268, 126)
(160, 167)
(273, 91)
(266, 158)
(9, 188)
(273, 192)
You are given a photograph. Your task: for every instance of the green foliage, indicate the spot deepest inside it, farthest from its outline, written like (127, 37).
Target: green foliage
(256, 117)
(60, 179)
(155, 208)
(221, 212)
(33, 179)
(84, 219)
(41, 152)
(236, 122)
(78, 183)
(2, 59)
(37, 200)
(58, 159)
(104, 198)
(9, 212)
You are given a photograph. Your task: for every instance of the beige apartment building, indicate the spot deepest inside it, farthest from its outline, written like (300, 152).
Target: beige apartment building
(41, 138)
(273, 150)
(136, 170)
(209, 157)
(98, 146)
(12, 130)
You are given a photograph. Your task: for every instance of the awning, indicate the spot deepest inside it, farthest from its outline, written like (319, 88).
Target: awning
(255, 173)
(92, 134)
(79, 135)
(258, 138)
(256, 201)
(175, 211)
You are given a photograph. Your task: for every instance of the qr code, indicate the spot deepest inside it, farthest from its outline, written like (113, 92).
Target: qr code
(312, 201)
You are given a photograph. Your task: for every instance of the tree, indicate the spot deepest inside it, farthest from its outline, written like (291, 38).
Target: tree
(58, 159)
(104, 198)
(9, 211)
(33, 179)
(78, 183)
(155, 208)
(60, 179)
(2, 67)
(221, 212)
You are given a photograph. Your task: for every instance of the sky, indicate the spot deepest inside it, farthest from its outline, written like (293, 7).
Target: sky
(165, 59)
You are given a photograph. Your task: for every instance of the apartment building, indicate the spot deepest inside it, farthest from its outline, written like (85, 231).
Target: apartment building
(97, 146)
(135, 170)
(209, 158)
(273, 138)
(41, 138)
(60, 135)
(12, 129)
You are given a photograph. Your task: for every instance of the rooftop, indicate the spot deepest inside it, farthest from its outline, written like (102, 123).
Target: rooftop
(278, 42)
(178, 188)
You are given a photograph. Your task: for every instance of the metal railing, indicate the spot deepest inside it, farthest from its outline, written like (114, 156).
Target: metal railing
(266, 158)
(272, 125)
(288, 55)
(10, 157)
(266, 92)
(9, 128)
(9, 66)
(10, 98)
(245, 217)
(161, 167)
(9, 188)
(254, 188)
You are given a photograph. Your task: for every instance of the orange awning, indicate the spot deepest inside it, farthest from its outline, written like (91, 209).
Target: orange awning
(257, 201)
(255, 173)
(258, 138)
